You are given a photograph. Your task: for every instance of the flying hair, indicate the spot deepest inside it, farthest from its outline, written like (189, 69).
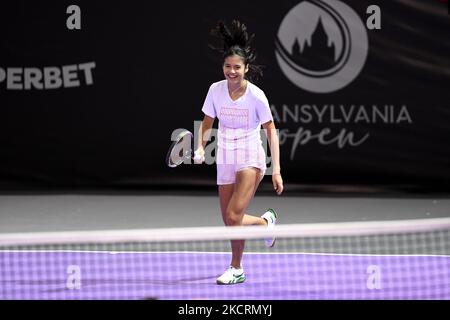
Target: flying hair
(235, 40)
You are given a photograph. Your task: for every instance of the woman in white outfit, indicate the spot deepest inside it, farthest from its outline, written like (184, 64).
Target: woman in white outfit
(241, 108)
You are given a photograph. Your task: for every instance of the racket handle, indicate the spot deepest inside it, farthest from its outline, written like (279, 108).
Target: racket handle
(198, 157)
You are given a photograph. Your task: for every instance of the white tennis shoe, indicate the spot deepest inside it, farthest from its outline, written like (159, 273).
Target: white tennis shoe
(271, 217)
(231, 276)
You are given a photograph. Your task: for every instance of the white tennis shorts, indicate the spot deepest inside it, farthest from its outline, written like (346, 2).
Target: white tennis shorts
(229, 162)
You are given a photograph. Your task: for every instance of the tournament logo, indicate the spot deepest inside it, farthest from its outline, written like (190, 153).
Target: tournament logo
(321, 45)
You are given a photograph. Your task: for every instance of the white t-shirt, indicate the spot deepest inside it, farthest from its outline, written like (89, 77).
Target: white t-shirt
(239, 121)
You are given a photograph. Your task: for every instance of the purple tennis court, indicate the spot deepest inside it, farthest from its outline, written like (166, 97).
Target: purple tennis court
(191, 275)
(403, 259)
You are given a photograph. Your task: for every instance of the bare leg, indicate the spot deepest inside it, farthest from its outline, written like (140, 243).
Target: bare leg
(234, 200)
(249, 220)
(225, 193)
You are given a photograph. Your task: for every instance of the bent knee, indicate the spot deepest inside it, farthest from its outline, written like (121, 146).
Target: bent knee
(233, 218)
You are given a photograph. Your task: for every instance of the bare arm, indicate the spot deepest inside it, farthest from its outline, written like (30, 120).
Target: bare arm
(272, 137)
(204, 132)
(274, 144)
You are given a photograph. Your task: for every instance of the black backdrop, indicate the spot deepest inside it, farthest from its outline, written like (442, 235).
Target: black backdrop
(151, 68)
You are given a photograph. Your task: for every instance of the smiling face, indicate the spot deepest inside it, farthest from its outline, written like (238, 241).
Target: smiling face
(234, 69)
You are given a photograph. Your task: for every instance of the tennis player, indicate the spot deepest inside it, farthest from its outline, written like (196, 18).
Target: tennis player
(241, 108)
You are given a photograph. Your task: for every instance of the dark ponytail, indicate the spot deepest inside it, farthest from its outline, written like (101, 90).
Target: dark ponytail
(236, 41)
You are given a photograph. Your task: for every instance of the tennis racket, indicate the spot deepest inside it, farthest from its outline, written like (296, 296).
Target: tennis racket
(181, 148)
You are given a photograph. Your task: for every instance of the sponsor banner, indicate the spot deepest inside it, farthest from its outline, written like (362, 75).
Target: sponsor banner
(91, 93)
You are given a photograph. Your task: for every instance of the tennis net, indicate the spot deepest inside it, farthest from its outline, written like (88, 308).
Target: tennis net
(403, 259)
